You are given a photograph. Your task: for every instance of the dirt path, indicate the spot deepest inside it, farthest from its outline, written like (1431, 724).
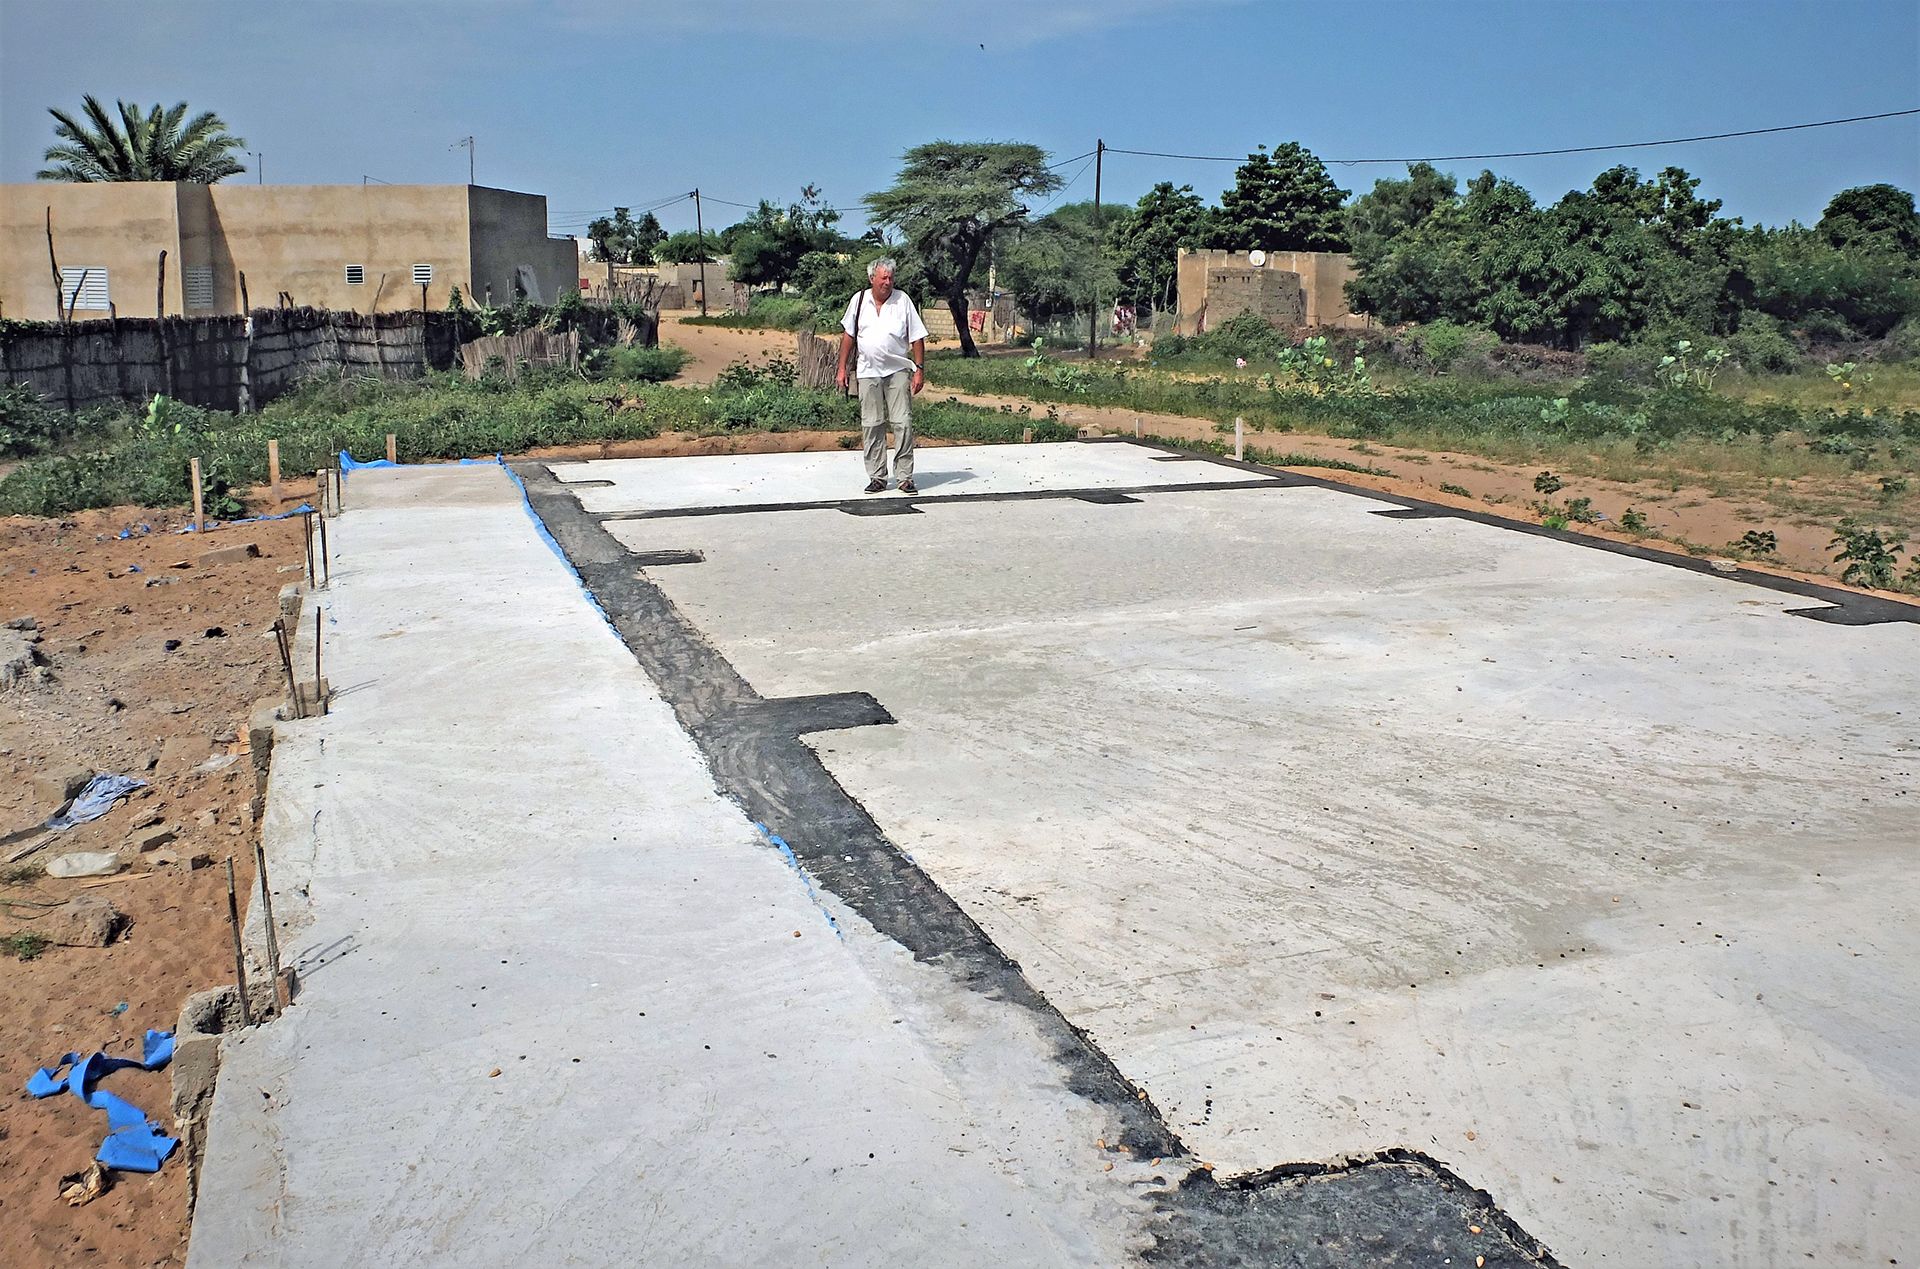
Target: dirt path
(115, 697)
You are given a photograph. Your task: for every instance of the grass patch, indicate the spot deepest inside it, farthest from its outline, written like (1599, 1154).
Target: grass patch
(445, 417)
(774, 312)
(24, 946)
(20, 874)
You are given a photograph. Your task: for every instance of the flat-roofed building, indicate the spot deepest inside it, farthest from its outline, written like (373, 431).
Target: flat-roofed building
(365, 248)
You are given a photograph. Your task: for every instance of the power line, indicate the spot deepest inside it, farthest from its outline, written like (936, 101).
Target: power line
(1525, 154)
(1070, 184)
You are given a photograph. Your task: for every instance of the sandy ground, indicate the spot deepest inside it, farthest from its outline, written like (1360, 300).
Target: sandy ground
(1690, 516)
(119, 701)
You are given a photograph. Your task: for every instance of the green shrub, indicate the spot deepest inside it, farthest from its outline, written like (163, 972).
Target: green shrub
(1762, 345)
(635, 364)
(1869, 555)
(1443, 344)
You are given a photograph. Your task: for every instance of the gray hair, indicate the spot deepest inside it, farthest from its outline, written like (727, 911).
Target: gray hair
(884, 262)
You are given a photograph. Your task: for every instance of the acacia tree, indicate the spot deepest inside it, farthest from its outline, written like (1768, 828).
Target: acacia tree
(1055, 264)
(950, 200)
(1283, 201)
(160, 145)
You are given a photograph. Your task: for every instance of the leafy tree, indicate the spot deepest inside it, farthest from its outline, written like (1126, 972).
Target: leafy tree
(1283, 201)
(767, 247)
(161, 145)
(687, 247)
(1872, 215)
(624, 240)
(1859, 291)
(951, 199)
(828, 279)
(1145, 247)
(1056, 264)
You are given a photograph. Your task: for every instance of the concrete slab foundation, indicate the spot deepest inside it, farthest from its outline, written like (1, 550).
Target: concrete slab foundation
(1161, 861)
(1589, 876)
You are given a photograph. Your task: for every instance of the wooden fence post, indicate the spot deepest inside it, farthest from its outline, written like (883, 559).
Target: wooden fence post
(393, 455)
(198, 510)
(273, 472)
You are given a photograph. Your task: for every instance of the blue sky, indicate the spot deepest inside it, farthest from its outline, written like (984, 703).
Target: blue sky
(596, 103)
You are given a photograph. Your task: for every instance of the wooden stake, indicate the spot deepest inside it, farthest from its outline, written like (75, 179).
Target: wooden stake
(266, 909)
(393, 452)
(1138, 431)
(320, 488)
(1026, 435)
(239, 955)
(1239, 440)
(194, 468)
(273, 472)
(306, 522)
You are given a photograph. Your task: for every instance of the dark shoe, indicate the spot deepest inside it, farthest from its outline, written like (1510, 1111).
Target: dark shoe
(876, 486)
(908, 487)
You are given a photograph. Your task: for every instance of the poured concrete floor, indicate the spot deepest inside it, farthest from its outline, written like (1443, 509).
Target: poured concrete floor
(1589, 876)
(563, 1004)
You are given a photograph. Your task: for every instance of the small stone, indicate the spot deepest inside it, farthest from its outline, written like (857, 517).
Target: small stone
(230, 554)
(225, 736)
(207, 818)
(152, 838)
(1725, 566)
(162, 859)
(199, 859)
(56, 786)
(215, 632)
(170, 645)
(84, 921)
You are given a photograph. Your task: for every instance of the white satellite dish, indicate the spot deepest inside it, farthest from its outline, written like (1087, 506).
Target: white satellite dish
(1256, 258)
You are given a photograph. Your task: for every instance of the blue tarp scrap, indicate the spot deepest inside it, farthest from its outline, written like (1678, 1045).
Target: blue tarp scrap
(95, 800)
(302, 509)
(134, 1143)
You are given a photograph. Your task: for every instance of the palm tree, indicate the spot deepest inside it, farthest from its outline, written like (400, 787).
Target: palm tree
(137, 147)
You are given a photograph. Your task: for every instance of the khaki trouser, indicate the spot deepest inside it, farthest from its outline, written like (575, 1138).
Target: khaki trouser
(883, 401)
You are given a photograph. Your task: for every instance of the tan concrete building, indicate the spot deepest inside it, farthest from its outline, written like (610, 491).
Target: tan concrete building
(1288, 288)
(363, 248)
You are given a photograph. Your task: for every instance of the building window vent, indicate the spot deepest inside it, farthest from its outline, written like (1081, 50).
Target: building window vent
(422, 274)
(85, 287)
(356, 274)
(197, 281)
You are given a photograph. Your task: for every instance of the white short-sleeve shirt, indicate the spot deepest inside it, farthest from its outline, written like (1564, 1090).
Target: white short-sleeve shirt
(886, 334)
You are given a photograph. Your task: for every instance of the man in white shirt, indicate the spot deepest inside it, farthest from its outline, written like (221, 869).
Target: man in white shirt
(885, 328)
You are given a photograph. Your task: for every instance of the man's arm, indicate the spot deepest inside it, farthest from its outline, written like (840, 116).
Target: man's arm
(846, 346)
(919, 364)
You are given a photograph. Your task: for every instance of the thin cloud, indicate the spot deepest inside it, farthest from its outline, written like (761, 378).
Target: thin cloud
(1015, 25)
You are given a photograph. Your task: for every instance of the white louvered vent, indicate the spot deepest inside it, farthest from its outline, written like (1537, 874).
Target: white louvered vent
(356, 274)
(197, 281)
(90, 282)
(422, 274)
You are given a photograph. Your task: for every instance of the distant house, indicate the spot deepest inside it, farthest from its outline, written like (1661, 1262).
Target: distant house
(679, 284)
(363, 248)
(1291, 289)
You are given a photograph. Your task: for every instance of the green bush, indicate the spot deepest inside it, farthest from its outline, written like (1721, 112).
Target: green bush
(1761, 344)
(1444, 344)
(635, 364)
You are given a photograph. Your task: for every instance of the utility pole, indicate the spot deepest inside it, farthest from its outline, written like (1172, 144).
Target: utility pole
(259, 166)
(1093, 318)
(700, 237)
(467, 144)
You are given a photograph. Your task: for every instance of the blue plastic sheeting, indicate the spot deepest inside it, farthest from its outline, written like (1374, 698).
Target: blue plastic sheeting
(95, 800)
(134, 531)
(348, 463)
(302, 509)
(786, 853)
(134, 1143)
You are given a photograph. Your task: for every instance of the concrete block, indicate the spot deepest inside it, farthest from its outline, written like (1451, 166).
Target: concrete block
(290, 600)
(230, 554)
